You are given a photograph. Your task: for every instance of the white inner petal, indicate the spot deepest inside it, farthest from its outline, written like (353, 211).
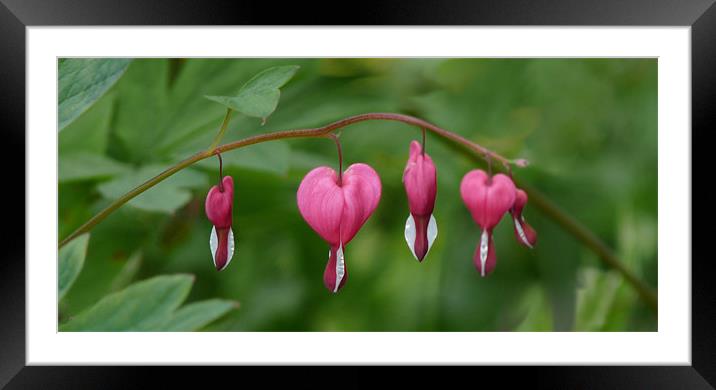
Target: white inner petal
(484, 243)
(432, 232)
(340, 268)
(230, 252)
(410, 234)
(214, 245)
(521, 232)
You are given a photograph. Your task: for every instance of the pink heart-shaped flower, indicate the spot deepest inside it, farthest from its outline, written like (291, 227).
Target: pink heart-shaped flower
(488, 199)
(336, 211)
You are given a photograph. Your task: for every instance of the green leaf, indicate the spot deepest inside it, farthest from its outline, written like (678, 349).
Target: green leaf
(195, 316)
(85, 166)
(89, 133)
(71, 260)
(143, 97)
(143, 306)
(127, 273)
(189, 116)
(259, 97)
(165, 197)
(82, 81)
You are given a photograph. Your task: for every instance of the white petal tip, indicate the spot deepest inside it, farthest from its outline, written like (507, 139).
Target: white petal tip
(214, 245)
(340, 268)
(410, 234)
(432, 232)
(521, 233)
(484, 248)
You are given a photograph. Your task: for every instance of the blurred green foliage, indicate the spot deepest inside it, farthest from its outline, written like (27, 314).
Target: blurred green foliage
(588, 126)
(82, 81)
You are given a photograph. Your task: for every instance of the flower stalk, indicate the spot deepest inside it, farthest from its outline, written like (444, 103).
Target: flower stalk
(222, 130)
(340, 157)
(571, 225)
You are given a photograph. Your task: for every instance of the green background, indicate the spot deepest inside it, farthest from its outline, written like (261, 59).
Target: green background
(588, 127)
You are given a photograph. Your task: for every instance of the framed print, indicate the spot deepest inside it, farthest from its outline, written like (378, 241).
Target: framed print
(513, 188)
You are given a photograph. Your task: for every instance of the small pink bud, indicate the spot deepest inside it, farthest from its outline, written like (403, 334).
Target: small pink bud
(522, 163)
(218, 206)
(420, 181)
(336, 211)
(525, 234)
(488, 199)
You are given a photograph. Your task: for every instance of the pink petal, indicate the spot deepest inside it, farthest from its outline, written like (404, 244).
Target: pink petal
(524, 233)
(420, 181)
(320, 201)
(219, 204)
(520, 201)
(473, 192)
(487, 199)
(361, 193)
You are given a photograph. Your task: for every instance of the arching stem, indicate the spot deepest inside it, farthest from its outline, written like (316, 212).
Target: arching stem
(588, 238)
(279, 135)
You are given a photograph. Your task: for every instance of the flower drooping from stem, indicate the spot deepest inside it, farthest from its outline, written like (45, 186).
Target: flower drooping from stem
(524, 233)
(420, 181)
(336, 206)
(488, 199)
(218, 206)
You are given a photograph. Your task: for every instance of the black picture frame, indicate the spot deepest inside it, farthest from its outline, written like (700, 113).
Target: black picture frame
(15, 15)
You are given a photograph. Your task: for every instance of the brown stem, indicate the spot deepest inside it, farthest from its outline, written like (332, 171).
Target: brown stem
(278, 135)
(566, 221)
(591, 241)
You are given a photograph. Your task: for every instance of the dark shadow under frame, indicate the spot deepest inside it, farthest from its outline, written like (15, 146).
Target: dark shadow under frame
(15, 15)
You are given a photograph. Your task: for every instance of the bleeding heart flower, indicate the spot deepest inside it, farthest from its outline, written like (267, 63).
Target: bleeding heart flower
(420, 181)
(336, 208)
(219, 203)
(523, 231)
(488, 199)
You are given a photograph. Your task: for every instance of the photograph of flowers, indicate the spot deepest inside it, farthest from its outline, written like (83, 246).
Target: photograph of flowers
(357, 194)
